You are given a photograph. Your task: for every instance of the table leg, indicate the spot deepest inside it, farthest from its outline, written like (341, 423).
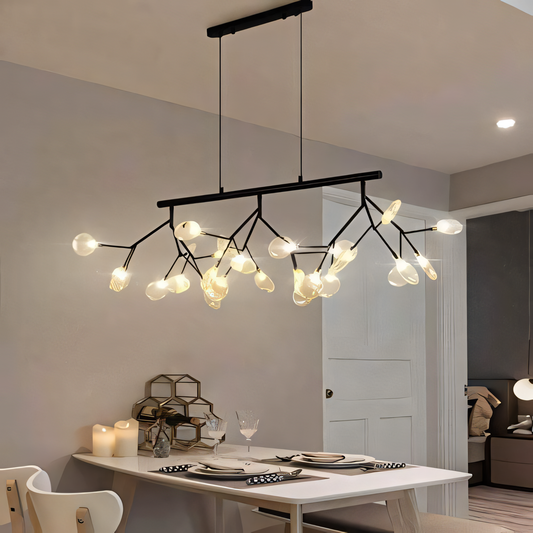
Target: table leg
(219, 515)
(124, 486)
(404, 513)
(296, 519)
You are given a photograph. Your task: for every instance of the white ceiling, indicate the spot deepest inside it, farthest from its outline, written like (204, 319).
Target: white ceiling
(418, 81)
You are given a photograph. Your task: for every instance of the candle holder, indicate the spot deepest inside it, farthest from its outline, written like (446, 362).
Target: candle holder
(179, 395)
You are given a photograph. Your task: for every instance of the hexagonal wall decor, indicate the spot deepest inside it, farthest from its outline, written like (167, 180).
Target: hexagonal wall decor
(182, 393)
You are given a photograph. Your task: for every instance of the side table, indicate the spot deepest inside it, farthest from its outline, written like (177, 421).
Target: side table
(511, 461)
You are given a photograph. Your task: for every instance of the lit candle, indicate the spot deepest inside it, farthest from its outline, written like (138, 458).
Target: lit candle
(103, 441)
(126, 438)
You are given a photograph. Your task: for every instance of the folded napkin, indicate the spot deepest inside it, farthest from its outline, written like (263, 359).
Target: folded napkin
(323, 457)
(234, 469)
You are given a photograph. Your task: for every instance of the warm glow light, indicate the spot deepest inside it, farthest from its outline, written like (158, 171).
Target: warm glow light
(426, 266)
(263, 281)
(449, 226)
(211, 303)
(84, 244)
(330, 285)
(243, 264)
(157, 289)
(395, 279)
(299, 300)
(178, 284)
(523, 389)
(391, 212)
(120, 279)
(407, 271)
(222, 244)
(187, 230)
(505, 123)
(299, 276)
(217, 288)
(343, 256)
(311, 286)
(281, 247)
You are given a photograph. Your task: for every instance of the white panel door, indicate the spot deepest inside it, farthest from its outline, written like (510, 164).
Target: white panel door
(374, 346)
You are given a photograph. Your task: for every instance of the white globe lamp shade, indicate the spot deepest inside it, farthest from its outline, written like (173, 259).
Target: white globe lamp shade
(523, 389)
(84, 244)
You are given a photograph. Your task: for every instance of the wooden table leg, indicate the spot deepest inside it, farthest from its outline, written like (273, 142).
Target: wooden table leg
(219, 515)
(404, 513)
(124, 486)
(296, 519)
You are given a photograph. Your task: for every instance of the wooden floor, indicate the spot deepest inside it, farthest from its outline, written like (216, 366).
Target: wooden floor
(509, 508)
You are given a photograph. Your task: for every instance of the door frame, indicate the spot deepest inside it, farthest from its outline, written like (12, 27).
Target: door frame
(446, 354)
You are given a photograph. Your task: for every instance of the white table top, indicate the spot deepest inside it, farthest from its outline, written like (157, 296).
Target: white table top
(336, 486)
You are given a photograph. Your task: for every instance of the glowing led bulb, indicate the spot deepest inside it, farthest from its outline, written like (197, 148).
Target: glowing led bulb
(84, 244)
(178, 284)
(407, 271)
(243, 264)
(263, 281)
(505, 123)
(281, 247)
(330, 285)
(208, 277)
(395, 279)
(311, 286)
(120, 279)
(426, 266)
(449, 226)
(187, 230)
(391, 212)
(157, 289)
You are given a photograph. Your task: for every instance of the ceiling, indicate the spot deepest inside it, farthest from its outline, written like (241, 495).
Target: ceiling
(418, 81)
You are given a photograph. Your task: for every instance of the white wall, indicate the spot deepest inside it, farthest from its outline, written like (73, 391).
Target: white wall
(77, 157)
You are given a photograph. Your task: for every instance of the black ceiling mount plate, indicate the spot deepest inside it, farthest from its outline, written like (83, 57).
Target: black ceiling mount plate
(282, 12)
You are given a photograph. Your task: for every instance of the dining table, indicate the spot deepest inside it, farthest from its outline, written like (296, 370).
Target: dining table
(315, 489)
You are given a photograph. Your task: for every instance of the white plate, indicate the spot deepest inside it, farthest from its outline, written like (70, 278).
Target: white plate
(349, 461)
(214, 474)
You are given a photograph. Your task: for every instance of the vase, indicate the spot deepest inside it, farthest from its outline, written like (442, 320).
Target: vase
(162, 446)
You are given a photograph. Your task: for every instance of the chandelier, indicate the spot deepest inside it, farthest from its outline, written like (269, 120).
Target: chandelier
(234, 253)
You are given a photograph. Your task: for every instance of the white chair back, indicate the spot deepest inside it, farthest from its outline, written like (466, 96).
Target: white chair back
(13, 497)
(57, 511)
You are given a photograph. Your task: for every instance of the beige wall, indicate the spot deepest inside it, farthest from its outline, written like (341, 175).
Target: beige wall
(500, 181)
(78, 157)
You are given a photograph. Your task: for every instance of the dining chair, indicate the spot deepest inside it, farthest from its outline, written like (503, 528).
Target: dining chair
(79, 512)
(13, 502)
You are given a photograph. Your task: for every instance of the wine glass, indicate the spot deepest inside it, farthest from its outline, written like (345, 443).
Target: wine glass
(248, 423)
(216, 428)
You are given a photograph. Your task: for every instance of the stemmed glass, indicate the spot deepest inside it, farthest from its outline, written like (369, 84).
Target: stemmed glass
(216, 428)
(247, 424)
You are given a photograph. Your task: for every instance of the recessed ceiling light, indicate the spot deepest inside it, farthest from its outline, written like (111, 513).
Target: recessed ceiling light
(507, 123)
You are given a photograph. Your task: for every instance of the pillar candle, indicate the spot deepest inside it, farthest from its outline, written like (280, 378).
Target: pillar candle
(126, 438)
(103, 441)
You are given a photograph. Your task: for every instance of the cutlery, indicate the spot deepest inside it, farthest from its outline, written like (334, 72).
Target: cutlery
(286, 458)
(273, 478)
(176, 468)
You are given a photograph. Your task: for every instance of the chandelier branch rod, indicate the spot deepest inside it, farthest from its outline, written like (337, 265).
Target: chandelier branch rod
(274, 189)
(258, 19)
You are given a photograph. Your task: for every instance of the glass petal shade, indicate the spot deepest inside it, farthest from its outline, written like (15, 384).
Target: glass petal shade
(178, 284)
(395, 279)
(222, 243)
(281, 247)
(449, 226)
(427, 267)
(211, 303)
(523, 389)
(342, 260)
(407, 271)
(391, 212)
(217, 289)
(243, 264)
(208, 277)
(341, 246)
(120, 279)
(330, 285)
(84, 244)
(311, 286)
(263, 281)
(157, 290)
(299, 300)
(299, 276)
(187, 230)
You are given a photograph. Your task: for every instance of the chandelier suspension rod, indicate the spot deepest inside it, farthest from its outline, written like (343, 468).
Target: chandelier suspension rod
(273, 189)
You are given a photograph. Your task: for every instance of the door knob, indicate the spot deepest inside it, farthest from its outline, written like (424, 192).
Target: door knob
(329, 393)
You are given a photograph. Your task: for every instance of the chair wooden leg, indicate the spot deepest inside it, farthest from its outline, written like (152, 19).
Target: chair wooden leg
(83, 520)
(15, 506)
